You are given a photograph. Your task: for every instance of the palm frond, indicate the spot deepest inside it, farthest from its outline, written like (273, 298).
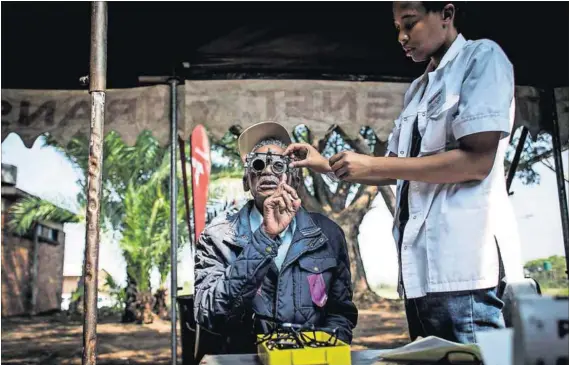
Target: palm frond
(24, 213)
(135, 197)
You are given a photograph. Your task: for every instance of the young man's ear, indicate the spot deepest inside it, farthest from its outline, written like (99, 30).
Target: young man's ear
(448, 14)
(246, 187)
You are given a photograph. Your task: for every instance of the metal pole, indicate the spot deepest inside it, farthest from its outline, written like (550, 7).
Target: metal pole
(561, 192)
(516, 160)
(173, 216)
(97, 87)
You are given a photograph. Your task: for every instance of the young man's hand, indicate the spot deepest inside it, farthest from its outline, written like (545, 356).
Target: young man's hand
(305, 155)
(350, 166)
(280, 208)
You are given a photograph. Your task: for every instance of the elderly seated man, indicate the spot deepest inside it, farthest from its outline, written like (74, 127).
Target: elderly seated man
(272, 259)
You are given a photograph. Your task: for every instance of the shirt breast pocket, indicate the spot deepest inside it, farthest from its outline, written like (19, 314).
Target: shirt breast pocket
(393, 140)
(315, 280)
(437, 125)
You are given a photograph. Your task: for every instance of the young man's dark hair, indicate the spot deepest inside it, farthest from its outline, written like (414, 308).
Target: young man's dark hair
(438, 6)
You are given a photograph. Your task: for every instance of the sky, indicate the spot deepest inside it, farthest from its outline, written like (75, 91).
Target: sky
(46, 173)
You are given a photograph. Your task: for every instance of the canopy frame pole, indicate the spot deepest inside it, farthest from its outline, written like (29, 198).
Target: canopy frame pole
(516, 159)
(173, 81)
(97, 87)
(561, 191)
(173, 216)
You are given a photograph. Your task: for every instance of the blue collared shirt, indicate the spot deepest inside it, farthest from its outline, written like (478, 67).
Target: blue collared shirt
(256, 219)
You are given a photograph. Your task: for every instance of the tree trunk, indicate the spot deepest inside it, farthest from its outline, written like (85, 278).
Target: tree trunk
(388, 197)
(349, 225)
(129, 314)
(349, 219)
(160, 307)
(144, 303)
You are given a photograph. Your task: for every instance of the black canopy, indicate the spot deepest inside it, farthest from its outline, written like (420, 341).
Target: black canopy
(46, 45)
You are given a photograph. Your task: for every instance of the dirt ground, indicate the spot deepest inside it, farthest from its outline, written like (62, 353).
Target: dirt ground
(56, 340)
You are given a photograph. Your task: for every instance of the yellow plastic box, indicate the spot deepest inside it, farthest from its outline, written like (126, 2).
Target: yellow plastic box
(330, 355)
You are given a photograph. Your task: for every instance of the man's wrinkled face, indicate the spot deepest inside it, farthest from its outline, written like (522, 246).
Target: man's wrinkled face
(421, 34)
(265, 183)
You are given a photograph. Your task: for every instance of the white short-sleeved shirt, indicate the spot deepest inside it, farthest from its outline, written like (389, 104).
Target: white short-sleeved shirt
(449, 241)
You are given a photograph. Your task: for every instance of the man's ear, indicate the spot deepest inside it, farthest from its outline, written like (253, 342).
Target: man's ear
(449, 12)
(246, 187)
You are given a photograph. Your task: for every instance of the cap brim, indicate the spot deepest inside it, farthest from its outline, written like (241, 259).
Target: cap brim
(259, 132)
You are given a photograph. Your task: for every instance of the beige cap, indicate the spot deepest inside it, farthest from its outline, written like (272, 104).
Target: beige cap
(259, 132)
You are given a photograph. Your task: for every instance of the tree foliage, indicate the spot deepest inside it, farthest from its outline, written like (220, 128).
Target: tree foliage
(135, 207)
(550, 272)
(146, 226)
(538, 151)
(27, 211)
(122, 165)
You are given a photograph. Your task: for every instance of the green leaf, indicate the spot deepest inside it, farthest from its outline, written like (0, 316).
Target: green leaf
(27, 211)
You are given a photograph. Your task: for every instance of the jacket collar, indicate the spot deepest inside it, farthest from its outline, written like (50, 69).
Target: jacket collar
(240, 231)
(305, 226)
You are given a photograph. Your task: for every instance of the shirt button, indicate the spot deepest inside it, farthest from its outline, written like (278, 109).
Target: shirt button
(405, 119)
(315, 268)
(404, 248)
(401, 152)
(423, 114)
(414, 217)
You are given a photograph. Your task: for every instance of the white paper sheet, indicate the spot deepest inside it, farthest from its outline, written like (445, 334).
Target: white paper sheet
(431, 349)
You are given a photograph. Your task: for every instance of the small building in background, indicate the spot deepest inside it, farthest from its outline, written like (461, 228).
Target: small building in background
(32, 264)
(104, 296)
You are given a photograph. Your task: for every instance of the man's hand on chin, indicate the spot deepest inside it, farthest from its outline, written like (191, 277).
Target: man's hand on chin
(280, 208)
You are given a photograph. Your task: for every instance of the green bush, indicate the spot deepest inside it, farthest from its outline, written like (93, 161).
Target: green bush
(550, 273)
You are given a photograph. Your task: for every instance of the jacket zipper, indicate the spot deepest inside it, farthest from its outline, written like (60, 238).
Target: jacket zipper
(283, 267)
(275, 311)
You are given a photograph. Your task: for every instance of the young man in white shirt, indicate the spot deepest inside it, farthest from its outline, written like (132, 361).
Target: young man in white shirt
(452, 207)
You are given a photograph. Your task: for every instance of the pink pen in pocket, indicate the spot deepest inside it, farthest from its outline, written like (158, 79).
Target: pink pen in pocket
(317, 289)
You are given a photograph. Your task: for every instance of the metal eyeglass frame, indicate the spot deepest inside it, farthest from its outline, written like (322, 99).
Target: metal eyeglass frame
(268, 158)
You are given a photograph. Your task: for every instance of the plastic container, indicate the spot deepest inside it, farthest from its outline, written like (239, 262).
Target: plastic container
(329, 355)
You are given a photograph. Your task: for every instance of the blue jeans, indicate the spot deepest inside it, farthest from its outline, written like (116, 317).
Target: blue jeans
(454, 316)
